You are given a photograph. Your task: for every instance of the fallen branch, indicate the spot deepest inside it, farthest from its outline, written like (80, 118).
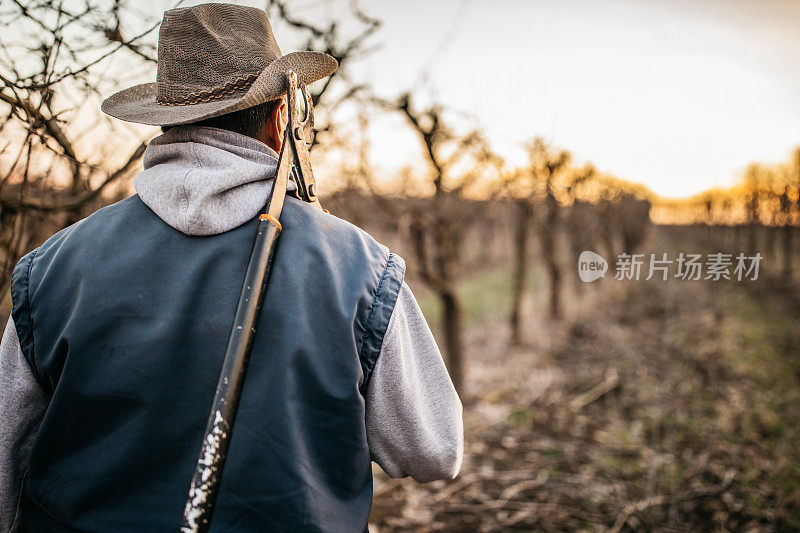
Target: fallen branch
(516, 488)
(610, 383)
(655, 501)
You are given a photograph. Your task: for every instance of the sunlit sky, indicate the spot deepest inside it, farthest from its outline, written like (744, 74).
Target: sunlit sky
(678, 95)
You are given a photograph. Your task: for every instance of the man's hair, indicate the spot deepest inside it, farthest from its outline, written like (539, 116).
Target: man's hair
(248, 121)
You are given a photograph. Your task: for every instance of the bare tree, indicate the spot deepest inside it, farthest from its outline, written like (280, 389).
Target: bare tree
(581, 221)
(438, 226)
(632, 221)
(789, 200)
(538, 183)
(522, 227)
(754, 183)
(345, 45)
(54, 63)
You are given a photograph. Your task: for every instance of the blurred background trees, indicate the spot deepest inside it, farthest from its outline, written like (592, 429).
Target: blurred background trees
(344, 44)
(440, 223)
(52, 74)
(759, 214)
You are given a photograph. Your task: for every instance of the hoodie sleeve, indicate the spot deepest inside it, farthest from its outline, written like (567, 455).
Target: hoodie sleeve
(413, 414)
(22, 405)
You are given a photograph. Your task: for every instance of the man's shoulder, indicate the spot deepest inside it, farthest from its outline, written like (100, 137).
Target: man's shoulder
(103, 218)
(30, 269)
(112, 214)
(327, 228)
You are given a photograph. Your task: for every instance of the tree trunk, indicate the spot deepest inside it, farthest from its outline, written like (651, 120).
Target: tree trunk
(608, 242)
(522, 230)
(770, 242)
(488, 232)
(555, 290)
(549, 249)
(739, 238)
(454, 346)
(752, 240)
(787, 250)
(437, 271)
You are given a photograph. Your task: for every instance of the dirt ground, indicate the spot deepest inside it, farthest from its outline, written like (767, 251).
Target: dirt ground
(653, 406)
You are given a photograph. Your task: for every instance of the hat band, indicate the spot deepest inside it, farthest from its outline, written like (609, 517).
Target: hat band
(210, 94)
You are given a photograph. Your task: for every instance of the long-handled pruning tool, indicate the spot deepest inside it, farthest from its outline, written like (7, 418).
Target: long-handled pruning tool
(214, 448)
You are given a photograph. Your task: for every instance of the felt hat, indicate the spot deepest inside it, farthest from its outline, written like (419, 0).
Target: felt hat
(214, 59)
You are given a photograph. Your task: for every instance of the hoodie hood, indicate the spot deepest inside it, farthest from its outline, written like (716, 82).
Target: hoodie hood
(204, 181)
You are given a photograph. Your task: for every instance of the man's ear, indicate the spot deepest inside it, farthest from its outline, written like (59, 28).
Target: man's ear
(279, 112)
(276, 125)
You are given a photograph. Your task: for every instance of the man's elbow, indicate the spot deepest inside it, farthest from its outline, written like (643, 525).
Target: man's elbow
(442, 462)
(450, 454)
(451, 462)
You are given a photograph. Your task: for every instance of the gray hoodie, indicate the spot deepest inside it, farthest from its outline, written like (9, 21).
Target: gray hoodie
(204, 181)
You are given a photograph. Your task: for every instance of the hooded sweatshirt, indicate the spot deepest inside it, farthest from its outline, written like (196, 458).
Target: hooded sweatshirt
(204, 181)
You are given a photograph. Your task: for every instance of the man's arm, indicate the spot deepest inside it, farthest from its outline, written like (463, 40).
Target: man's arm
(22, 405)
(413, 414)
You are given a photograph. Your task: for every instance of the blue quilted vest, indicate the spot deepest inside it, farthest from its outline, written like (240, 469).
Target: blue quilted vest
(125, 319)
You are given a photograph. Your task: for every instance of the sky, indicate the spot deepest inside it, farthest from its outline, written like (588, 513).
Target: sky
(677, 95)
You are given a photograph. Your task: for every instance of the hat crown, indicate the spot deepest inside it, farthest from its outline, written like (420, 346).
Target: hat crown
(212, 51)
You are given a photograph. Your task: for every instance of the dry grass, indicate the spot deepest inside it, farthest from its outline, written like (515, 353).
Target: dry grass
(656, 406)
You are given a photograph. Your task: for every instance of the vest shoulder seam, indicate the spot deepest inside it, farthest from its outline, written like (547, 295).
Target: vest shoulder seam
(380, 312)
(32, 357)
(24, 316)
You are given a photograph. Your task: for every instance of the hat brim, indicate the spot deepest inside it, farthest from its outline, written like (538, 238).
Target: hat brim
(138, 104)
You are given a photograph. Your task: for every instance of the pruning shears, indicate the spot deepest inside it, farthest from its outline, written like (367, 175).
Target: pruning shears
(214, 447)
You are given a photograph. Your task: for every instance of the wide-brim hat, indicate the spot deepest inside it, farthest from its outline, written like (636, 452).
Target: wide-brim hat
(214, 59)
